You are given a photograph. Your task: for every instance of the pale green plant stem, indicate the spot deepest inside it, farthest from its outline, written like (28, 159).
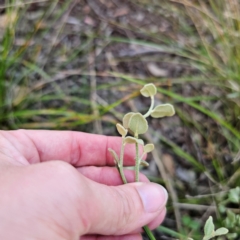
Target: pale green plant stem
(137, 163)
(147, 114)
(121, 162)
(145, 228)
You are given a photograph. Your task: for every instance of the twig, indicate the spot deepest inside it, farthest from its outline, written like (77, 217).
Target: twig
(166, 179)
(198, 207)
(60, 24)
(93, 84)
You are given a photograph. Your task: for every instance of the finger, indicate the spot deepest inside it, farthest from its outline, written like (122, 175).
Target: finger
(76, 148)
(118, 210)
(158, 220)
(154, 223)
(123, 237)
(109, 175)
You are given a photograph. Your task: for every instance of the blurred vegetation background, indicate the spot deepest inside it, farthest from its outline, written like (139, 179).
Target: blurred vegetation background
(79, 65)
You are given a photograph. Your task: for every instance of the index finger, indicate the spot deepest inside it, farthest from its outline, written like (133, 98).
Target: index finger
(76, 148)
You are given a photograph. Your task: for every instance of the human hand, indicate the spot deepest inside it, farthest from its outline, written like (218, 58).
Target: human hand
(60, 185)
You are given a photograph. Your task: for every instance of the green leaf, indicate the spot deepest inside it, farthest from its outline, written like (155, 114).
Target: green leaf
(121, 130)
(149, 90)
(228, 223)
(209, 227)
(231, 216)
(148, 148)
(232, 236)
(114, 155)
(126, 119)
(234, 195)
(222, 208)
(138, 124)
(140, 141)
(221, 231)
(207, 237)
(144, 163)
(132, 140)
(238, 221)
(163, 110)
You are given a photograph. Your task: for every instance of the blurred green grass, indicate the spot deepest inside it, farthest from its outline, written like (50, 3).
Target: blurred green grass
(46, 80)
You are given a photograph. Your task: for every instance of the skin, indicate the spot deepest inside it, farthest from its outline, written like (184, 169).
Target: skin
(63, 185)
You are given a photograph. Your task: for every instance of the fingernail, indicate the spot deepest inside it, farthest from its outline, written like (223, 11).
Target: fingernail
(153, 196)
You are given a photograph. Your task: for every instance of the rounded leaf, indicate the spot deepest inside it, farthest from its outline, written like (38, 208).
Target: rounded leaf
(126, 119)
(148, 148)
(231, 216)
(114, 155)
(144, 163)
(121, 130)
(209, 227)
(234, 195)
(130, 140)
(138, 124)
(207, 237)
(148, 90)
(163, 110)
(140, 141)
(232, 235)
(221, 231)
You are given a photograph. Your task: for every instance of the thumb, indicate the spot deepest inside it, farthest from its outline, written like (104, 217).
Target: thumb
(120, 209)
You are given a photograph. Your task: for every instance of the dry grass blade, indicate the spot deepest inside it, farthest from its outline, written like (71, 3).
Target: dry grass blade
(21, 4)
